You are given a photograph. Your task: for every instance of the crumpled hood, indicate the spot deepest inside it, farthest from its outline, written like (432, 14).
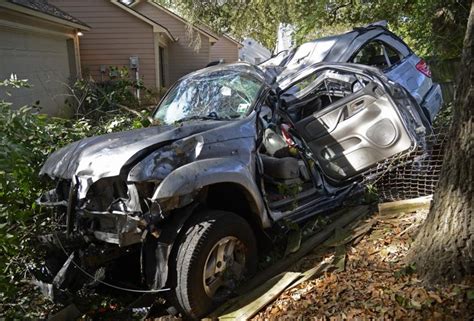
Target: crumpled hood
(104, 156)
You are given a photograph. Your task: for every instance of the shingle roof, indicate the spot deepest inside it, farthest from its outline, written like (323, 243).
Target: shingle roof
(44, 7)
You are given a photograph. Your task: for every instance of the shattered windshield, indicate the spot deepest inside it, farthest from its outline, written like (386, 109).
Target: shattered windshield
(220, 95)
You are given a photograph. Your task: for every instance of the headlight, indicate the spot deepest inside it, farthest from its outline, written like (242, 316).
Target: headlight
(156, 166)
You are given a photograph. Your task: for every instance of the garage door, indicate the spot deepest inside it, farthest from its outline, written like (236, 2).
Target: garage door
(40, 58)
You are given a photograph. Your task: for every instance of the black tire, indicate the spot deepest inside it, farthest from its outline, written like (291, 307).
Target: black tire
(194, 248)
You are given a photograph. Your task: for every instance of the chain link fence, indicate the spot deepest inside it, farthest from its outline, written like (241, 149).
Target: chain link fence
(412, 174)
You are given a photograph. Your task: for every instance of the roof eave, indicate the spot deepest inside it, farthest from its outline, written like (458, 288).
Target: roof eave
(44, 16)
(212, 38)
(156, 26)
(239, 45)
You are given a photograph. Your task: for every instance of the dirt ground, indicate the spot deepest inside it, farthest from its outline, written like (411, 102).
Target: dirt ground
(371, 280)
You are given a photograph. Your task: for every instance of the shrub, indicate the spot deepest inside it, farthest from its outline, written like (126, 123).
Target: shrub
(93, 100)
(26, 139)
(445, 116)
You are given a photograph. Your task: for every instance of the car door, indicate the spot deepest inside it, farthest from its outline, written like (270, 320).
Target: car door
(346, 117)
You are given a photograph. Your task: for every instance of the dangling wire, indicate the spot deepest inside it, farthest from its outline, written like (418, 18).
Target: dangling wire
(103, 282)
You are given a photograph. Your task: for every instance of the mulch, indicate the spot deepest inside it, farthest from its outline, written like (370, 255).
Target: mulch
(374, 282)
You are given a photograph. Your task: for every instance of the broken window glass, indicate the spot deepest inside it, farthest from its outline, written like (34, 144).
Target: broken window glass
(221, 95)
(377, 54)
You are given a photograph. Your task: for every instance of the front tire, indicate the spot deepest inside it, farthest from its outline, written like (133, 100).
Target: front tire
(217, 252)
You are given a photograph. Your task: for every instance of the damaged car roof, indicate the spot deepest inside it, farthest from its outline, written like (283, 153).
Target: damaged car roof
(238, 66)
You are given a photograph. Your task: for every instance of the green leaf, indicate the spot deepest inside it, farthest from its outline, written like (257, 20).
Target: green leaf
(470, 294)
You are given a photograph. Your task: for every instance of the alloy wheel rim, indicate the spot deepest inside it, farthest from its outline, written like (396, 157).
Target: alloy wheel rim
(224, 265)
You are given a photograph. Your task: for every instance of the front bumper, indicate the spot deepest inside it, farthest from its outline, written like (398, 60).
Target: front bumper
(72, 263)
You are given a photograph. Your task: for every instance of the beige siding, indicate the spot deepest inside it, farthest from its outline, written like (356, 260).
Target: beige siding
(182, 59)
(115, 35)
(224, 49)
(42, 52)
(40, 58)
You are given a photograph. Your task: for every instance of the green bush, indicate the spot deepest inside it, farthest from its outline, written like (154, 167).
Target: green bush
(445, 116)
(26, 139)
(92, 99)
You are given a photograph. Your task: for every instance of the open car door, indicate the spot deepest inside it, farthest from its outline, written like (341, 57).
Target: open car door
(346, 116)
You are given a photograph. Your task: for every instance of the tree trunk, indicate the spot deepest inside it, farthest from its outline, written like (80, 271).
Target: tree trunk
(444, 248)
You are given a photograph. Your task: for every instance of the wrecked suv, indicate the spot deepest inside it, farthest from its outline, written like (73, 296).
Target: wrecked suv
(235, 152)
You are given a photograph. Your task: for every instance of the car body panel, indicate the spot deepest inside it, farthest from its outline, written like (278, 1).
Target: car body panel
(104, 156)
(433, 101)
(409, 77)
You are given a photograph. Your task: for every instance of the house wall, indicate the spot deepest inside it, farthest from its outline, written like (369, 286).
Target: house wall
(45, 54)
(115, 35)
(182, 59)
(224, 49)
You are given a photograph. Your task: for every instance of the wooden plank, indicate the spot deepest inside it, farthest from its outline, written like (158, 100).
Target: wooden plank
(346, 216)
(250, 304)
(358, 230)
(312, 273)
(405, 206)
(352, 232)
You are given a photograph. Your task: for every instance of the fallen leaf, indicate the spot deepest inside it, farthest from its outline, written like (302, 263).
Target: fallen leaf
(296, 296)
(415, 304)
(434, 296)
(419, 295)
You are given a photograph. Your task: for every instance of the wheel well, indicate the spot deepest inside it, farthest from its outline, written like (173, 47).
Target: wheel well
(234, 198)
(229, 197)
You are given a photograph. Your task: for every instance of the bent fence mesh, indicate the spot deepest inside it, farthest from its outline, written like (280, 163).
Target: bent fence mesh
(412, 174)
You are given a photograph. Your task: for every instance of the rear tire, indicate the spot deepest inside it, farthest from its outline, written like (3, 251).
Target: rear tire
(215, 241)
